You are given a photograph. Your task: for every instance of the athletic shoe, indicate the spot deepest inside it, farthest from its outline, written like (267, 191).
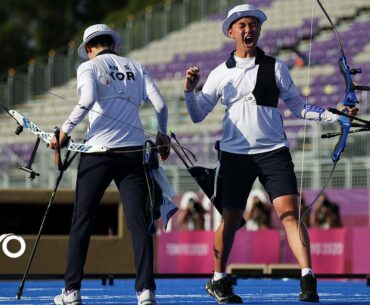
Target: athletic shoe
(223, 292)
(72, 297)
(146, 297)
(308, 289)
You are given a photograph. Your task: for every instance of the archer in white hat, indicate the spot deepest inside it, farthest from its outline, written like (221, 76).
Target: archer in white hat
(98, 30)
(249, 84)
(111, 90)
(243, 24)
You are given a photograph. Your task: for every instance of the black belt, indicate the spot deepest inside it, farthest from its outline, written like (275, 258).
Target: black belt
(127, 148)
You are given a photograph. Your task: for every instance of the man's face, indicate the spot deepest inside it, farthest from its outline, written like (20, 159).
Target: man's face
(246, 32)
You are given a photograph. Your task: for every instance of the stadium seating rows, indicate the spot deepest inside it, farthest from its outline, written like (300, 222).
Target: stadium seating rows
(290, 24)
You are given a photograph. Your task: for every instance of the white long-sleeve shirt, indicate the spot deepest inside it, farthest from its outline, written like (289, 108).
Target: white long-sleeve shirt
(249, 128)
(114, 88)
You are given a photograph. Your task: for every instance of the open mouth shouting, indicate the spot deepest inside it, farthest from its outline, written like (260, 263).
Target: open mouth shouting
(248, 40)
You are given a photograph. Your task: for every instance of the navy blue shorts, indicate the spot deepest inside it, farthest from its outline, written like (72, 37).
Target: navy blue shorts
(274, 169)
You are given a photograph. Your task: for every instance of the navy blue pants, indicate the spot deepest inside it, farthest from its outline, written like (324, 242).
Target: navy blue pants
(95, 173)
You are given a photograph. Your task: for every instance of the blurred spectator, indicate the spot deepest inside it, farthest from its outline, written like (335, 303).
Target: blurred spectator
(259, 216)
(300, 59)
(326, 214)
(191, 215)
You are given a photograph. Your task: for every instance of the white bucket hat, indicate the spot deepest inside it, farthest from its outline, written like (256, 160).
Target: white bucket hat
(239, 11)
(97, 30)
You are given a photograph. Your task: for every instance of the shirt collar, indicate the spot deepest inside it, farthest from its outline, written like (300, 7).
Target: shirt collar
(231, 63)
(106, 51)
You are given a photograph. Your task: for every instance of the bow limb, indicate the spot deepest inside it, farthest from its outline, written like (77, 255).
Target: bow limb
(345, 126)
(26, 123)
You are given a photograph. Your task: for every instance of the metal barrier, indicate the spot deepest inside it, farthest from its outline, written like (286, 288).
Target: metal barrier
(351, 172)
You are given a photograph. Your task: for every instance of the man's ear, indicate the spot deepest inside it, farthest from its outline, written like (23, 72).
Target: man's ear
(230, 31)
(88, 48)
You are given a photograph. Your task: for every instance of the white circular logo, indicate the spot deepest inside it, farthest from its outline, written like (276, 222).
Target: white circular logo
(6, 238)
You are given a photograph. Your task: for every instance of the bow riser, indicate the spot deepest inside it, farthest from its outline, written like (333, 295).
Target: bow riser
(350, 98)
